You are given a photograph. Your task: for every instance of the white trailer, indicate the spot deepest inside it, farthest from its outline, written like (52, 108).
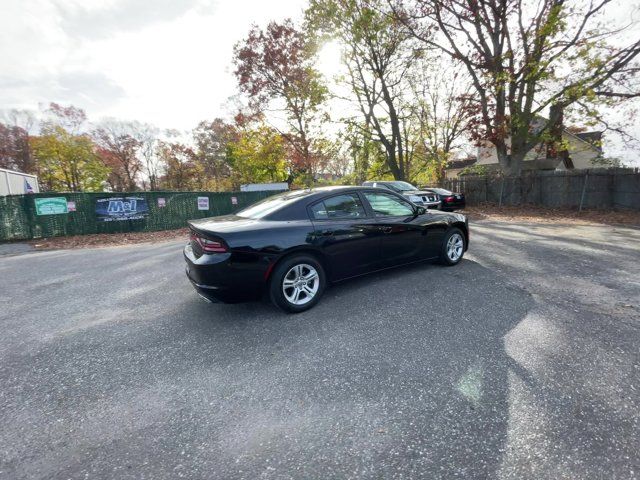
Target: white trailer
(17, 183)
(264, 187)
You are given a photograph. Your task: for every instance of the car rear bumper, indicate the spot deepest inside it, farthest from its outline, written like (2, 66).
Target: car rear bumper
(223, 278)
(455, 205)
(211, 294)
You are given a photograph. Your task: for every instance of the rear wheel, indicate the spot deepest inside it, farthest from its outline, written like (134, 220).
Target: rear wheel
(452, 249)
(297, 283)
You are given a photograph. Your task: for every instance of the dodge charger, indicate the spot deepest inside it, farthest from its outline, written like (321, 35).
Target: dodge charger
(292, 245)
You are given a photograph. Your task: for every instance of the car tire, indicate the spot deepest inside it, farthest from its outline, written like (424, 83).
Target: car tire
(453, 247)
(297, 283)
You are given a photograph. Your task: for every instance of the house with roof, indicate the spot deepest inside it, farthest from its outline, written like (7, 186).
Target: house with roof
(584, 150)
(455, 167)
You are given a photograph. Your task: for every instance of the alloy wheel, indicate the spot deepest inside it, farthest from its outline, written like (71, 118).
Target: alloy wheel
(455, 247)
(300, 284)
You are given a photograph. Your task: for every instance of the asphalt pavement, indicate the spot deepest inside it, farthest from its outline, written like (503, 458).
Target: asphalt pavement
(521, 362)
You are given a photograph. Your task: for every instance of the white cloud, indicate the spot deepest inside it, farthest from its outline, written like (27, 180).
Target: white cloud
(166, 62)
(104, 18)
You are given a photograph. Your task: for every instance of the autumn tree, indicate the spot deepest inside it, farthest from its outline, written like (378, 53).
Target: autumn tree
(182, 171)
(275, 69)
(70, 118)
(378, 56)
(441, 102)
(212, 143)
(147, 138)
(15, 153)
(66, 157)
(363, 151)
(257, 155)
(338, 160)
(67, 162)
(529, 61)
(119, 150)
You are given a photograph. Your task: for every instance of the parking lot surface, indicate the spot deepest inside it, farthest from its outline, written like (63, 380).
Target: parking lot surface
(521, 362)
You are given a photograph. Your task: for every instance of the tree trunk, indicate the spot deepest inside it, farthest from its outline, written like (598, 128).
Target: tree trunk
(510, 163)
(393, 164)
(395, 161)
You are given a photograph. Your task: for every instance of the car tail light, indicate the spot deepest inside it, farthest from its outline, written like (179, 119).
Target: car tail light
(449, 199)
(208, 245)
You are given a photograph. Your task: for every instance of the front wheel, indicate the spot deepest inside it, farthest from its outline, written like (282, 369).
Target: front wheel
(452, 249)
(297, 283)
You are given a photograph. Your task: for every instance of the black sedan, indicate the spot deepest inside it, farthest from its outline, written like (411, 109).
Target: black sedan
(449, 201)
(294, 244)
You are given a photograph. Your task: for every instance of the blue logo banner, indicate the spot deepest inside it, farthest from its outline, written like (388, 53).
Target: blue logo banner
(121, 208)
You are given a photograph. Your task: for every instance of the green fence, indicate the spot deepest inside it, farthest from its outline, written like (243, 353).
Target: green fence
(25, 217)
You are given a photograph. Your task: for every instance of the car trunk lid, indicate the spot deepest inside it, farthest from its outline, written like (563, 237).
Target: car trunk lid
(222, 224)
(210, 235)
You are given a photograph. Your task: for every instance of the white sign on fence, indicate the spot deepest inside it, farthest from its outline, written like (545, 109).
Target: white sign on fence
(203, 203)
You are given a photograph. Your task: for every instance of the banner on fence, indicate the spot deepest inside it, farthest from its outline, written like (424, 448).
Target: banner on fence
(24, 217)
(51, 205)
(121, 208)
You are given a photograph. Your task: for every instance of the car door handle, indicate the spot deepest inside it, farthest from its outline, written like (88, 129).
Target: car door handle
(387, 229)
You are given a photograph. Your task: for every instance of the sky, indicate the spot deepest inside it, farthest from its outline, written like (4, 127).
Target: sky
(164, 62)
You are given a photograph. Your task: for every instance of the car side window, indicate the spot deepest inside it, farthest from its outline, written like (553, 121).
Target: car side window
(340, 206)
(385, 205)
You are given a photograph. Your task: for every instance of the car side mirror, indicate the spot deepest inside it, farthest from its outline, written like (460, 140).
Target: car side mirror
(421, 210)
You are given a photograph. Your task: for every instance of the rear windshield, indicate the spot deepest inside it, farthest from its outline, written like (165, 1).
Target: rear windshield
(441, 191)
(271, 204)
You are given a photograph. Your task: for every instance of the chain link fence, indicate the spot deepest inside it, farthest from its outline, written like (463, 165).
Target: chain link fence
(43, 215)
(600, 188)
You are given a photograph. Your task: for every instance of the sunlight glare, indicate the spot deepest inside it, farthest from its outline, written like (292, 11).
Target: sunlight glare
(329, 59)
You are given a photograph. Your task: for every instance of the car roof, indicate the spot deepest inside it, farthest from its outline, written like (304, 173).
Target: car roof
(335, 187)
(320, 192)
(300, 199)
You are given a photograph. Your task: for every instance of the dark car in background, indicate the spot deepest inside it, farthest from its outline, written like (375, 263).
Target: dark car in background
(449, 201)
(424, 198)
(293, 244)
